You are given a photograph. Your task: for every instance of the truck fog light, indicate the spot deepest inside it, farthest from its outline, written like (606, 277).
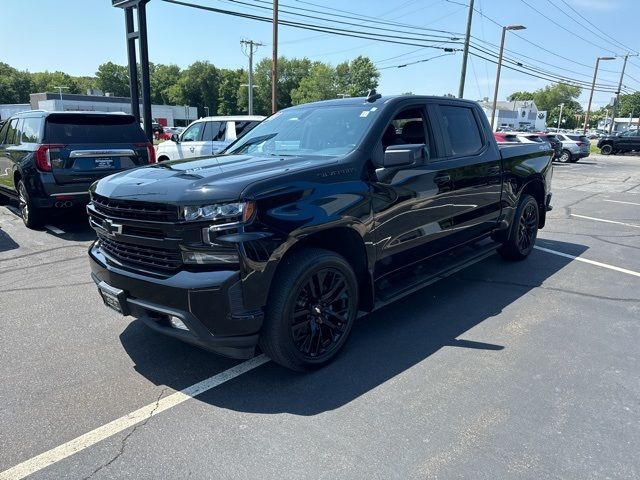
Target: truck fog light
(200, 258)
(177, 323)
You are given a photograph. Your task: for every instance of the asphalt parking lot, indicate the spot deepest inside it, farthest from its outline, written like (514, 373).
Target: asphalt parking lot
(504, 370)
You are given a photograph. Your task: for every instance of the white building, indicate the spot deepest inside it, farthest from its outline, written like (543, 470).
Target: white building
(620, 124)
(9, 109)
(516, 115)
(168, 115)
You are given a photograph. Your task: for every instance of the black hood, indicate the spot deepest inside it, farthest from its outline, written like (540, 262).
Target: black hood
(221, 178)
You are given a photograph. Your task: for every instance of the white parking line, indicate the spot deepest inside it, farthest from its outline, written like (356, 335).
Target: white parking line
(605, 221)
(590, 262)
(55, 230)
(620, 201)
(82, 442)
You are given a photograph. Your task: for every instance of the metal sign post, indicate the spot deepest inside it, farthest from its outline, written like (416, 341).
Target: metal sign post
(132, 36)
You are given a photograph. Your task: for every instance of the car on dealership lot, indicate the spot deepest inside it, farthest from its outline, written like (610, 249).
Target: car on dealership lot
(555, 143)
(320, 212)
(48, 160)
(206, 136)
(574, 147)
(627, 141)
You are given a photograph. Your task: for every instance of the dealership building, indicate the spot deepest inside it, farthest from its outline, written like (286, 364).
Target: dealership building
(516, 115)
(167, 115)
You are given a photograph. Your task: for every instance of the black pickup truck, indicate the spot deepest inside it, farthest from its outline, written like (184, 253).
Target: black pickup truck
(322, 212)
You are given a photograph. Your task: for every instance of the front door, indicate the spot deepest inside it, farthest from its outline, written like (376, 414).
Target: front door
(191, 144)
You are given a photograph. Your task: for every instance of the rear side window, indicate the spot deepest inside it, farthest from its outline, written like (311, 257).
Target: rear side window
(214, 131)
(461, 126)
(3, 132)
(12, 132)
(244, 127)
(68, 129)
(31, 130)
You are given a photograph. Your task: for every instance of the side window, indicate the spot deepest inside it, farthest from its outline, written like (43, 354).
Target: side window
(3, 132)
(193, 133)
(462, 128)
(11, 132)
(243, 128)
(407, 127)
(31, 130)
(214, 131)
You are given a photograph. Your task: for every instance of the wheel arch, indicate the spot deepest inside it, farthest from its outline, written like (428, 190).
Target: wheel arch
(348, 243)
(535, 188)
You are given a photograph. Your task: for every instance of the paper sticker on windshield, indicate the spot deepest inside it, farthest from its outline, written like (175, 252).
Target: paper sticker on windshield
(373, 109)
(365, 113)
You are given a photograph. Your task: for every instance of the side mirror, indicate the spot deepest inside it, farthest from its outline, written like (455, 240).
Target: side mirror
(175, 138)
(405, 155)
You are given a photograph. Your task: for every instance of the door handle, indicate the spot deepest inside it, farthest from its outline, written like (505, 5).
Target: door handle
(442, 179)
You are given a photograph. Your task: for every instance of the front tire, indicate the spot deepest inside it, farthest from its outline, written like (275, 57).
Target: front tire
(606, 149)
(31, 215)
(565, 157)
(524, 230)
(311, 309)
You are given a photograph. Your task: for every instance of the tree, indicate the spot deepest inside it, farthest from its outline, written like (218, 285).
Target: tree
(15, 85)
(162, 78)
(198, 86)
(551, 96)
(518, 96)
(629, 105)
(229, 84)
(318, 85)
(114, 79)
(290, 74)
(357, 77)
(48, 81)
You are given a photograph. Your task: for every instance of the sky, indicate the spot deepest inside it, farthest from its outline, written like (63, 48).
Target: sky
(75, 36)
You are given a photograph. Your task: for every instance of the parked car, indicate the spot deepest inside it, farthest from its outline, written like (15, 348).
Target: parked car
(48, 160)
(506, 137)
(627, 141)
(320, 212)
(574, 147)
(555, 143)
(206, 136)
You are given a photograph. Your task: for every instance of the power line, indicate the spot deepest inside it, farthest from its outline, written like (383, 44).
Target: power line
(418, 61)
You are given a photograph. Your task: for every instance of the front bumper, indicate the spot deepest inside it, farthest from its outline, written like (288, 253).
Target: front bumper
(209, 303)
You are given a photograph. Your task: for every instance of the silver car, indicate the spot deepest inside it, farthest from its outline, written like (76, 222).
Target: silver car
(574, 147)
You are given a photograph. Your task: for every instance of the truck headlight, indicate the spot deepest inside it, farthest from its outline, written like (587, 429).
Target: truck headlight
(240, 211)
(203, 258)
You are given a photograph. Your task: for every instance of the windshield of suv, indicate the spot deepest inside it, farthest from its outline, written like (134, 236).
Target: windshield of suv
(308, 131)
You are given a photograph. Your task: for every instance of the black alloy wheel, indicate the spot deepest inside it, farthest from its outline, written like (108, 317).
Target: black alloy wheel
(311, 309)
(321, 314)
(31, 216)
(606, 149)
(524, 230)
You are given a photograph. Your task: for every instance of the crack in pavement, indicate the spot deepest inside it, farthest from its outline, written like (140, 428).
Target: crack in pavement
(123, 442)
(554, 289)
(44, 251)
(46, 287)
(62, 260)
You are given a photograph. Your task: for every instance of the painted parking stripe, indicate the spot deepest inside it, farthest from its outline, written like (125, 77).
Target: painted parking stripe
(55, 230)
(605, 221)
(590, 262)
(620, 201)
(82, 442)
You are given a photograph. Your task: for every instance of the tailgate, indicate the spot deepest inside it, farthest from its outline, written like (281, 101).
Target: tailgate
(84, 147)
(87, 163)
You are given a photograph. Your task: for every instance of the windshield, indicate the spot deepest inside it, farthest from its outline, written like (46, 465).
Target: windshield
(309, 131)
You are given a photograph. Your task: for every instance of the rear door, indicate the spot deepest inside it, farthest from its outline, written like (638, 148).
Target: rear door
(84, 148)
(7, 138)
(213, 137)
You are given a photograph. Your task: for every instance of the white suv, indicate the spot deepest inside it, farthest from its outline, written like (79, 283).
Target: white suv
(206, 136)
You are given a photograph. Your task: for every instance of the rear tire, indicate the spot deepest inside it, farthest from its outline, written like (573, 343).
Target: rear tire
(311, 309)
(565, 157)
(31, 215)
(524, 230)
(606, 149)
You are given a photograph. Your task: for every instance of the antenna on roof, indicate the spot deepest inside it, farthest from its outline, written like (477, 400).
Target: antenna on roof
(372, 95)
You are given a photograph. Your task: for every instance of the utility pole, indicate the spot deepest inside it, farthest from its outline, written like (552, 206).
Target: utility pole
(250, 44)
(274, 61)
(617, 100)
(60, 91)
(593, 86)
(465, 52)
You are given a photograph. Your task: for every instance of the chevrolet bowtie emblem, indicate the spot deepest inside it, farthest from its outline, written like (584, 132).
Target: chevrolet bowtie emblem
(110, 227)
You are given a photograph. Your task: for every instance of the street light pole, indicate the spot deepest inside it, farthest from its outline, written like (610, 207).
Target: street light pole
(593, 86)
(207, 110)
(495, 94)
(60, 92)
(560, 117)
